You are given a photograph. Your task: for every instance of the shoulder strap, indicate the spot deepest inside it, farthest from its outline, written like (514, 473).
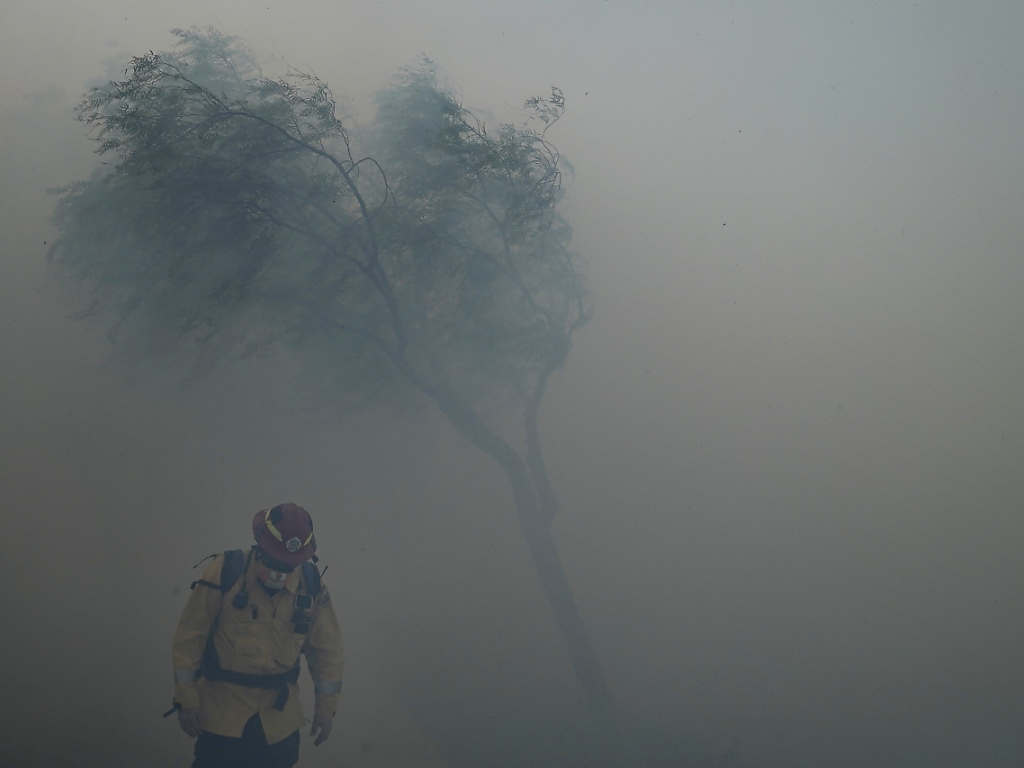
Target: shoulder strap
(311, 578)
(234, 562)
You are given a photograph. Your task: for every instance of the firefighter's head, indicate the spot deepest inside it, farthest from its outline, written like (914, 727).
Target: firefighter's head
(284, 540)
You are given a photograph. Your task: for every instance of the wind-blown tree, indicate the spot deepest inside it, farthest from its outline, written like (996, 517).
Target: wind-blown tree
(237, 213)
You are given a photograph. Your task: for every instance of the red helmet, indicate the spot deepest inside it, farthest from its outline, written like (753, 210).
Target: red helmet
(285, 532)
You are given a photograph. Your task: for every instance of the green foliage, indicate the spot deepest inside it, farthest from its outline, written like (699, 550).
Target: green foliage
(235, 213)
(477, 213)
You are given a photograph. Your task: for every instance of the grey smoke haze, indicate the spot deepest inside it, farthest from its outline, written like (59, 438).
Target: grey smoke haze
(788, 448)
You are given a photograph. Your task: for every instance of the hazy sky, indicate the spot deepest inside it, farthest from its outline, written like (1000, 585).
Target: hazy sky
(788, 447)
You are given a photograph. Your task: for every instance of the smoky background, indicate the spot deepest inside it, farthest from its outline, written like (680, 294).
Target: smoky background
(787, 449)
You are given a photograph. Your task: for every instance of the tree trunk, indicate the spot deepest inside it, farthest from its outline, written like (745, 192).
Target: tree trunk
(541, 545)
(535, 524)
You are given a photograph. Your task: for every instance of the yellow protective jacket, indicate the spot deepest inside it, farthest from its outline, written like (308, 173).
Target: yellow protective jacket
(258, 639)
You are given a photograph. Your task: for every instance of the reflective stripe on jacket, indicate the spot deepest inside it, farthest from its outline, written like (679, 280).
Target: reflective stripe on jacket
(259, 639)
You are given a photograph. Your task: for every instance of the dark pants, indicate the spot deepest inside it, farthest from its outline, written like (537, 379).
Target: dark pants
(250, 751)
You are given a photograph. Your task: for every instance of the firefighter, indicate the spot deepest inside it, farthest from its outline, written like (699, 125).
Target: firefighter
(237, 647)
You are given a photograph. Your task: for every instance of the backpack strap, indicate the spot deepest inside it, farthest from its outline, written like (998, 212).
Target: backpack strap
(234, 562)
(311, 587)
(311, 578)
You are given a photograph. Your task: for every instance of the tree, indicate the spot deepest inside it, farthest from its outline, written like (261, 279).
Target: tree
(238, 214)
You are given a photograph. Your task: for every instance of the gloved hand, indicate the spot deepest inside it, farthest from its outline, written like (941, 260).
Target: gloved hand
(188, 719)
(322, 723)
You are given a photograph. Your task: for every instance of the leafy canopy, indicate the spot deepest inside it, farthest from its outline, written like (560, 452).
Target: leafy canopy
(236, 213)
